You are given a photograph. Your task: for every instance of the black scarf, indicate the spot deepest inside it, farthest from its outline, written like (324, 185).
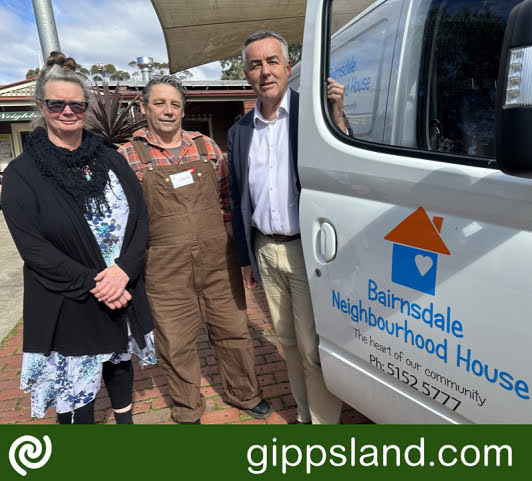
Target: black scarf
(68, 169)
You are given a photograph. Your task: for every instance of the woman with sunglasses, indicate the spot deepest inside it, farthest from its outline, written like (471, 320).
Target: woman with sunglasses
(76, 213)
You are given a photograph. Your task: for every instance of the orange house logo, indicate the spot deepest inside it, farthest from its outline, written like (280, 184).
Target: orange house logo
(417, 244)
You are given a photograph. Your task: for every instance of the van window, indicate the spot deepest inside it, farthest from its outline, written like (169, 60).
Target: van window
(437, 82)
(361, 60)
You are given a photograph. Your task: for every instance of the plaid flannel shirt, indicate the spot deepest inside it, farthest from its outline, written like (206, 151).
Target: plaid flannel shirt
(188, 153)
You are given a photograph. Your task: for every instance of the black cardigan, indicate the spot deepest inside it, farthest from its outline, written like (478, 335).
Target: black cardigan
(61, 258)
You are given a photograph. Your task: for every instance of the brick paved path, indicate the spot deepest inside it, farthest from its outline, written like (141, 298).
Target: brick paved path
(151, 401)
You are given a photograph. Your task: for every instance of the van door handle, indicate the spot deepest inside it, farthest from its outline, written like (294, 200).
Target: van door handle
(327, 242)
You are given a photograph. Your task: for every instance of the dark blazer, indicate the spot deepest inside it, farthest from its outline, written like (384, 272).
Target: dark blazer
(61, 258)
(238, 142)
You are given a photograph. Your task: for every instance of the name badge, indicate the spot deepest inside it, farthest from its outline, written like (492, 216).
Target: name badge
(181, 179)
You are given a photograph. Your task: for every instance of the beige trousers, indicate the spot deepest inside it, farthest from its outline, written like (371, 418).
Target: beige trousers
(285, 283)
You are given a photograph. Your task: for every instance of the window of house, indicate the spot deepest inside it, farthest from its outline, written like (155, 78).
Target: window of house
(20, 132)
(198, 123)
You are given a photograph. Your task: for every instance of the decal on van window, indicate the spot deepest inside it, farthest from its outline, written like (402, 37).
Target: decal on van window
(360, 64)
(417, 243)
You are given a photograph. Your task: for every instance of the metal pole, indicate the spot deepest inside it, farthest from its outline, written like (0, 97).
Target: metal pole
(44, 18)
(145, 65)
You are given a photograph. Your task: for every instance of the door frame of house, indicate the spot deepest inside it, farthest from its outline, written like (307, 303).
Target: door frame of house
(16, 129)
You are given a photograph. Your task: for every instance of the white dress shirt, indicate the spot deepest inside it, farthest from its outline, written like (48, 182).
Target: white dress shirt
(275, 210)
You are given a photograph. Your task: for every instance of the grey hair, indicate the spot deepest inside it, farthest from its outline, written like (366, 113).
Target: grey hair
(57, 73)
(58, 68)
(167, 80)
(261, 35)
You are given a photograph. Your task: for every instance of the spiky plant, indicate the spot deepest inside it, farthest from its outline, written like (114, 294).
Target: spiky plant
(105, 120)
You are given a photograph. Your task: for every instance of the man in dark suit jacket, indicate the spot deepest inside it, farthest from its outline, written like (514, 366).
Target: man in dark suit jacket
(265, 188)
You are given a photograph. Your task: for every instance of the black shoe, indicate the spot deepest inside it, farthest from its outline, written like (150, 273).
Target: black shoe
(197, 421)
(300, 422)
(260, 411)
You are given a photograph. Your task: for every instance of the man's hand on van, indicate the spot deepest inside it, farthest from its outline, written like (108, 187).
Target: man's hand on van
(335, 93)
(249, 277)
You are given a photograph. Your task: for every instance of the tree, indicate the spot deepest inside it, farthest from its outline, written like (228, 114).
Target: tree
(294, 53)
(105, 119)
(82, 71)
(120, 75)
(108, 71)
(104, 72)
(233, 68)
(183, 75)
(160, 68)
(33, 72)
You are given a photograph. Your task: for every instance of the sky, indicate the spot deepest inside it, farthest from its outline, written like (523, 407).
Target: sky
(90, 31)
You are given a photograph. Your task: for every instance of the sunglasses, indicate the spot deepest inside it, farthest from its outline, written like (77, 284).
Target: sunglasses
(58, 106)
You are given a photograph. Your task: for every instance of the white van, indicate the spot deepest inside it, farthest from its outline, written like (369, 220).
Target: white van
(417, 245)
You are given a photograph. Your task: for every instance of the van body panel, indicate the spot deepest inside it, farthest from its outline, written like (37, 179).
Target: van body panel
(423, 311)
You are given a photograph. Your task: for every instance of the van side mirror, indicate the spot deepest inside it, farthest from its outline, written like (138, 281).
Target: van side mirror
(513, 106)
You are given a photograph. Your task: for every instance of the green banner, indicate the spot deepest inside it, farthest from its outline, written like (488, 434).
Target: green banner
(24, 116)
(263, 452)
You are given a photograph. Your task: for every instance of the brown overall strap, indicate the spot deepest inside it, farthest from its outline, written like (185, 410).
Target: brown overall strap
(141, 151)
(200, 145)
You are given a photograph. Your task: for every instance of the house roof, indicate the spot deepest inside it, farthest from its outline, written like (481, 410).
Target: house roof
(417, 230)
(22, 93)
(22, 88)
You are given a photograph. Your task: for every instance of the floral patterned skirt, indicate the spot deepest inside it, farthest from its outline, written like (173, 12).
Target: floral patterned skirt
(70, 382)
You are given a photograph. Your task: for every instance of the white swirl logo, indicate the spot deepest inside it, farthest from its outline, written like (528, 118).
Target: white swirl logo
(31, 448)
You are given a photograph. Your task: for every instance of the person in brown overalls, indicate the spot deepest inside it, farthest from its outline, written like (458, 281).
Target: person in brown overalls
(191, 272)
